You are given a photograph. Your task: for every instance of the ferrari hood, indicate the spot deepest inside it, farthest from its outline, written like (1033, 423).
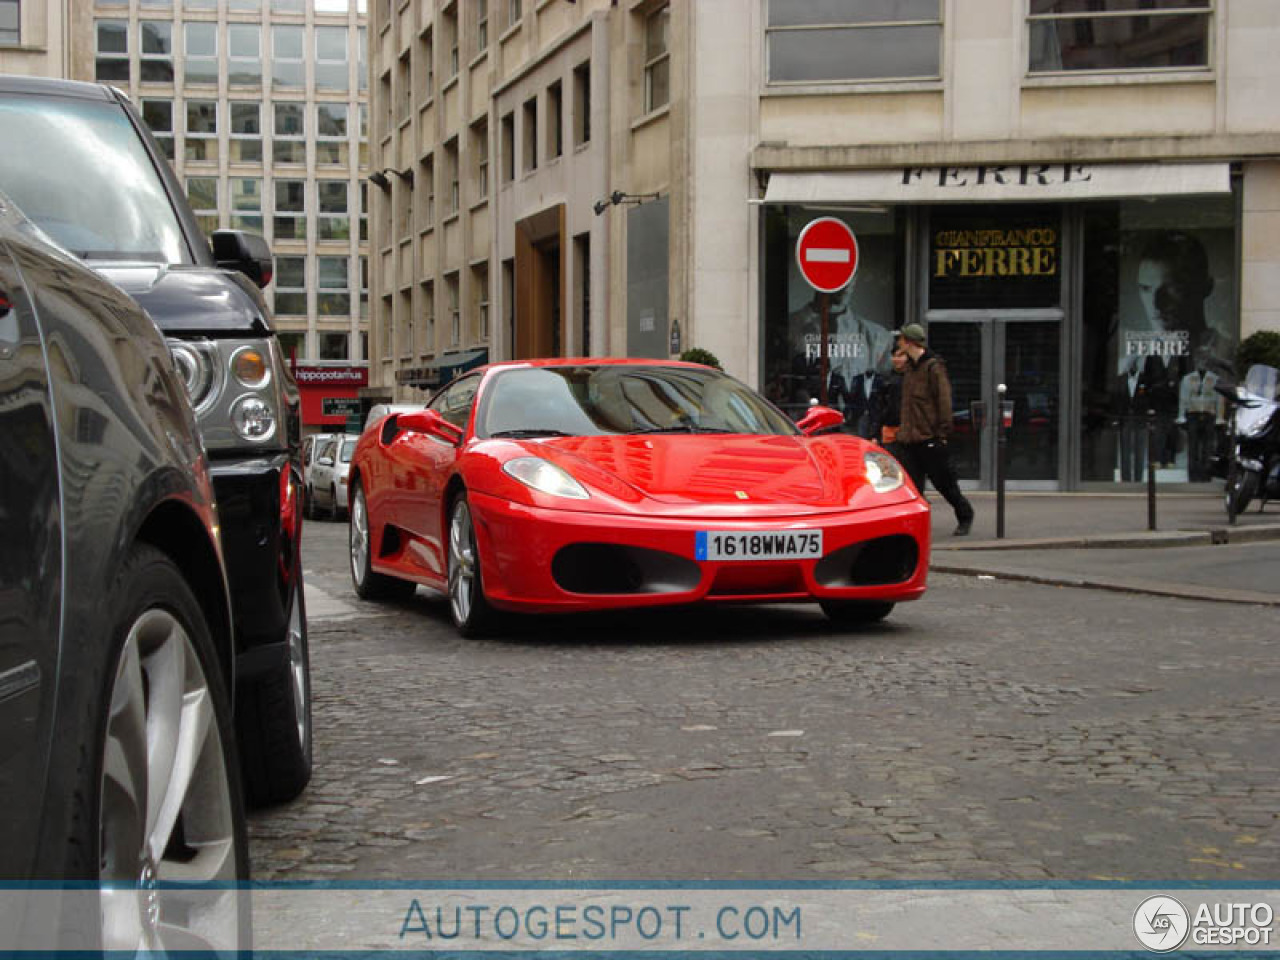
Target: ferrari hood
(713, 469)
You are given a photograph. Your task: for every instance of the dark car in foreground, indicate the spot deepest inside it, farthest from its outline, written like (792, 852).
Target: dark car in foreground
(82, 166)
(117, 748)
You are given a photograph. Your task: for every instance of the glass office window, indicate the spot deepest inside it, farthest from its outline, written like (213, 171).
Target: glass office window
(331, 58)
(155, 43)
(202, 131)
(200, 49)
(246, 131)
(290, 220)
(202, 192)
(331, 133)
(244, 55)
(111, 49)
(332, 220)
(829, 41)
(291, 286)
(287, 68)
(289, 143)
(1118, 35)
(158, 115)
(246, 203)
(333, 296)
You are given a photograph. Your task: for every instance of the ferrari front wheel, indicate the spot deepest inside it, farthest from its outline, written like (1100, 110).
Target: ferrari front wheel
(852, 613)
(368, 584)
(471, 612)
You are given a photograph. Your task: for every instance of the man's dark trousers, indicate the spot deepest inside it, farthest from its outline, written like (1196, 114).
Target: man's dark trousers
(931, 459)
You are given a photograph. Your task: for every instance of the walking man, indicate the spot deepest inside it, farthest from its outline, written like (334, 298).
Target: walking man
(925, 424)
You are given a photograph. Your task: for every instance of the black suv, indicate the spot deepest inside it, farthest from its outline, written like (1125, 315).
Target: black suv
(82, 165)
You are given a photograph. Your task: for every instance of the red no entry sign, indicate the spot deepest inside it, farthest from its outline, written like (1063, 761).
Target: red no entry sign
(827, 253)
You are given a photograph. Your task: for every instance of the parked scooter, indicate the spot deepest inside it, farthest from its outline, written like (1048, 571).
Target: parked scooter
(1253, 467)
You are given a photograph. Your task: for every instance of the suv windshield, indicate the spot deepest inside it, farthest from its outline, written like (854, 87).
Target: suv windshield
(79, 171)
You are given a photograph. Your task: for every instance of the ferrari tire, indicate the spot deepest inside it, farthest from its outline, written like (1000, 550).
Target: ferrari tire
(470, 609)
(273, 719)
(851, 613)
(368, 584)
(154, 793)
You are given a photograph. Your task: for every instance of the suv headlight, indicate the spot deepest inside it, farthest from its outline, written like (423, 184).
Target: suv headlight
(235, 389)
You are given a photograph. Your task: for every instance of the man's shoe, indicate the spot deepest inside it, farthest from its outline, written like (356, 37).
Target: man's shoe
(962, 529)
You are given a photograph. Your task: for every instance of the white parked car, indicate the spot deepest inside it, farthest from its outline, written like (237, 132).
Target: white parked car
(329, 476)
(311, 447)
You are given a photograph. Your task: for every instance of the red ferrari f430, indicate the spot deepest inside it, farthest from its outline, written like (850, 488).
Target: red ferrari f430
(567, 485)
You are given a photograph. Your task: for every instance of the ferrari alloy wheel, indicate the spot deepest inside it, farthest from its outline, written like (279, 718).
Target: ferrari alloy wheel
(168, 801)
(471, 612)
(852, 613)
(368, 584)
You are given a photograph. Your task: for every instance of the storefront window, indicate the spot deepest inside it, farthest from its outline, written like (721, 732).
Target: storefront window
(1160, 325)
(860, 321)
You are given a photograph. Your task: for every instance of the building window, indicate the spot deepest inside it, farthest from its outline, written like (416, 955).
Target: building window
(1123, 35)
(158, 115)
(811, 41)
(202, 131)
(405, 324)
(508, 148)
(10, 22)
(481, 8)
(290, 221)
(156, 41)
(289, 144)
(364, 134)
(332, 220)
(287, 68)
(449, 22)
(402, 197)
(514, 12)
(582, 104)
(555, 120)
(249, 5)
(455, 318)
(426, 51)
(244, 55)
(293, 343)
(404, 82)
(451, 176)
(333, 346)
(425, 187)
(196, 4)
(364, 290)
(200, 47)
(111, 48)
(202, 192)
(530, 137)
(246, 203)
(427, 293)
(657, 60)
(246, 132)
(330, 6)
(287, 6)
(480, 158)
(362, 62)
(331, 133)
(333, 297)
(291, 286)
(331, 58)
(480, 291)
(364, 212)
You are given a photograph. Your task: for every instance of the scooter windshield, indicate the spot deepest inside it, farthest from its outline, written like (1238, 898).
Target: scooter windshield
(1263, 381)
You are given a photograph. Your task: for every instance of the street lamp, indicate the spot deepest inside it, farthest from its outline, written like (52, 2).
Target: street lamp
(618, 197)
(379, 177)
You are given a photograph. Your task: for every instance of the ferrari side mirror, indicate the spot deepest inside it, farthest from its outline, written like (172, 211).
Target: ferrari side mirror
(818, 419)
(432, 424)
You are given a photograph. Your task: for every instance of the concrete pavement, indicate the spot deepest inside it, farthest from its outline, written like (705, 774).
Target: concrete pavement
(1102, 541)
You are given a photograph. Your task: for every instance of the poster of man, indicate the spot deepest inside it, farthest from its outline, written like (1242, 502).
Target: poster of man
(1172, 328)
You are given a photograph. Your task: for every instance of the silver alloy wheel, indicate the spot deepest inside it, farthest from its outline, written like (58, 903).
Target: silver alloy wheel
(166, 806)
(462, 562)
(359, 537)
(298, 669)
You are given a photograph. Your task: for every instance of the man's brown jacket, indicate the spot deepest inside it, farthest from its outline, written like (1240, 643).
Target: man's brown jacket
(926, 400)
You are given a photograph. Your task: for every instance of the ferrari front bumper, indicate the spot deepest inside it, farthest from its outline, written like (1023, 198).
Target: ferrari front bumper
(539, 560)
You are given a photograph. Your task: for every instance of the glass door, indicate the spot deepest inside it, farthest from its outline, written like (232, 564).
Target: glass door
(1024, 353)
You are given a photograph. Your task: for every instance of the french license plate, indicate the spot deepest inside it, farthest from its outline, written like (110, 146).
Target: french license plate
(774, 545)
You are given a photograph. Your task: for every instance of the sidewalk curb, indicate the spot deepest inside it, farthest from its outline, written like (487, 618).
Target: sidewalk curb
(1150, 587)
(1149, 539)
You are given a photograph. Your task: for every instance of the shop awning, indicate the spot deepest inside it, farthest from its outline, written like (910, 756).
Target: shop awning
(1021, 183)
(440, 370)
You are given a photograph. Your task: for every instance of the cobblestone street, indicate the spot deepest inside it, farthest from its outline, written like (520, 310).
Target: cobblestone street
(992, 731)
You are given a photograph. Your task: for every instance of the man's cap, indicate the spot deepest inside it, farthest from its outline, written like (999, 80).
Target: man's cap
(913, 332)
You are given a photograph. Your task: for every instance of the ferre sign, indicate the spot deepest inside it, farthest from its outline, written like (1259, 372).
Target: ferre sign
(1006, 175)
(1018, 252)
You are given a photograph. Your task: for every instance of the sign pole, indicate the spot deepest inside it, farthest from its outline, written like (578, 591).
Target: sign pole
(823, 349)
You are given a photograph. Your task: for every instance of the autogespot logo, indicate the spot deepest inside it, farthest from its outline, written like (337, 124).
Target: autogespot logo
(1161, 924)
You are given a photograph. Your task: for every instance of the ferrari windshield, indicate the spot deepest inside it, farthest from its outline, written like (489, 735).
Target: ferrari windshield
(79, 171)
(574, 401)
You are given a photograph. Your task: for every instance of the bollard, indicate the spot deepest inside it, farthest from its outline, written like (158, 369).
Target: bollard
(1151, 469)
(1001, 442)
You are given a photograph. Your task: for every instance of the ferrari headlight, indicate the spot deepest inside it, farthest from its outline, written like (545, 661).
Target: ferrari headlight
(253, 418)
(545, 477)
(883, 472)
